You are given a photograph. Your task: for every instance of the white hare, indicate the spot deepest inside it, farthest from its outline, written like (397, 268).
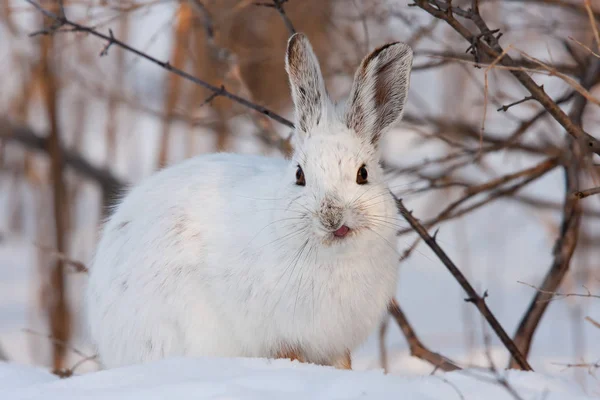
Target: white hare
(247, 256)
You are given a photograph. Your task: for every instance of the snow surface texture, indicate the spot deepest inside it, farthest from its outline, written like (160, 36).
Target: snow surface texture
(220, 378)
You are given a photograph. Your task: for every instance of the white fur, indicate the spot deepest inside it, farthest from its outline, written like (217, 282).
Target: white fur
(224, 255)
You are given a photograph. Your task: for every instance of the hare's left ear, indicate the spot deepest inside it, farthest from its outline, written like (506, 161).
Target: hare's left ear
(379, 91)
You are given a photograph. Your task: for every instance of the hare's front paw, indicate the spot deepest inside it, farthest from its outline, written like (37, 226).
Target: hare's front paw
(291, 354)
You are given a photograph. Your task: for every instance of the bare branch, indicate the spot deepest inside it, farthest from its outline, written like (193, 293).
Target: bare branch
(451, 212)
(417, 349)
(473, 297)
(564, 248)
(76, 27)
(486, 44)
(111, 185)
(566, 242)
(65, 372)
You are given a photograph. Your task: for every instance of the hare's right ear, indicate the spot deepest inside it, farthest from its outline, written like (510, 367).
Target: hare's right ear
(308, 88)
(379, 91)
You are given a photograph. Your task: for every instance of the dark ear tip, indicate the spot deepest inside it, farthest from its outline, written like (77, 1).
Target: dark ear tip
(403, 49)
(295, 38)
(399, 49)
(298, 47)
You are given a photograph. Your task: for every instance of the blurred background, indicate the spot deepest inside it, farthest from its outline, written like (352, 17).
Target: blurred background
(80, 122)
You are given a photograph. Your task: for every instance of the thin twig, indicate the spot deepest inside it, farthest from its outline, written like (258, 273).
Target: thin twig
(585, 47)
(78, 266)
(587, 192)
(486, 86)
(208, 23)
(570, 81)
(278, 5)
(212, 97)
(56, 341)
(590, 12)
(531, 174)
(593, 322)
(417, 349)
(500, 379)
(523, 100)
(558, 295)
(65, 372)
(581, 365)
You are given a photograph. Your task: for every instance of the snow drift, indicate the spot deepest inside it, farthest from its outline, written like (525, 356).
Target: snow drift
(220, 378)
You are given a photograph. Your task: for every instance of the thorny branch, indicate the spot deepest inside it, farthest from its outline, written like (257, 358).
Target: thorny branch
(485, 44)
(62, 22)
(473, 297)
(587, 192)
(523, 100)
(566, 242)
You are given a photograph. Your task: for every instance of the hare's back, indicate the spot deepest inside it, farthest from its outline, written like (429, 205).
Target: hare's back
(184, 207)
(147, 275)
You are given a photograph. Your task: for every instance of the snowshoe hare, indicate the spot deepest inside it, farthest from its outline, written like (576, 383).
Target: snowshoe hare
(247, 256)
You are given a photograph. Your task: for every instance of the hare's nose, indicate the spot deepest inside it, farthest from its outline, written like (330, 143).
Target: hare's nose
(331, 214)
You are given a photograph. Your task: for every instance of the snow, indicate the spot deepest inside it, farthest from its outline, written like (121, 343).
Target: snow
(221, 378)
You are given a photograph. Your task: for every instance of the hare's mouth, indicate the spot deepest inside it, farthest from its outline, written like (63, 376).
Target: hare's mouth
(341, 232)
(339, 236)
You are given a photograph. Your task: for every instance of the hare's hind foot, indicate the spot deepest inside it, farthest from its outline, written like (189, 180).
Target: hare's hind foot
(344, 362)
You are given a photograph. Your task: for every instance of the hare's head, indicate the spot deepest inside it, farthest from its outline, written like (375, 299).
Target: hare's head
(336, 163)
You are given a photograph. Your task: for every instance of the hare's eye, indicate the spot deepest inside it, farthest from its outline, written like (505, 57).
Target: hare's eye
(362, 175)
(300, 181)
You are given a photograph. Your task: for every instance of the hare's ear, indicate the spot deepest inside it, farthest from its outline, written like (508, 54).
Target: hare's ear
(379, 91)
(308, 89)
